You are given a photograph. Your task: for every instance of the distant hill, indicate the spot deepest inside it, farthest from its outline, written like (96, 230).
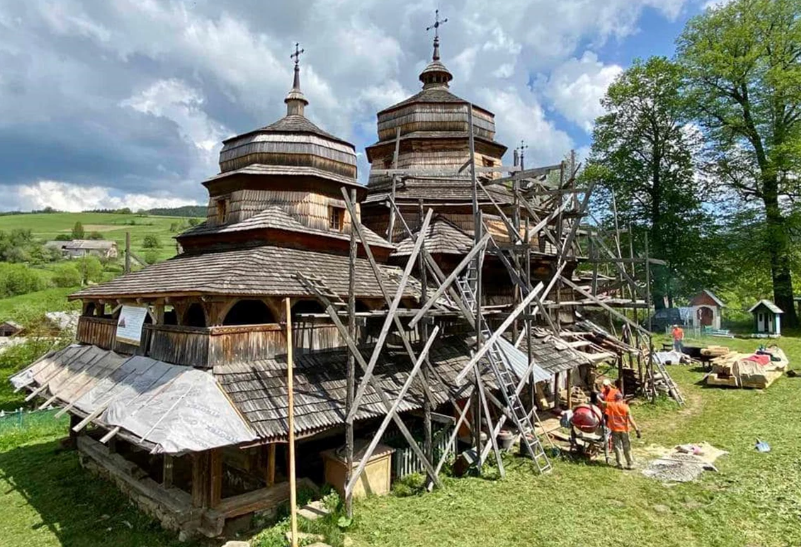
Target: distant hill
(184, 211)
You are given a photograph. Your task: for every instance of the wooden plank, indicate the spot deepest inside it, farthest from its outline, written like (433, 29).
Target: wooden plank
(486, 345)
(200, 467)
(293, 510)
(450, 279)
(390, 414)
(270, 475)
(382, 336)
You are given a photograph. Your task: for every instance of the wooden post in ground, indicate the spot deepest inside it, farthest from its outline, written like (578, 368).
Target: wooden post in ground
(428, 445)
(351, 382)
(127, 252)
(291, 419)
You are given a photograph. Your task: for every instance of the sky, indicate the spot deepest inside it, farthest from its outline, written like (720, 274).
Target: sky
(125, 103)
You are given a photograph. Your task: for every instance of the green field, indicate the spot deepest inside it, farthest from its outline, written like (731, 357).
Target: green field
(112, 226)
(754, 499)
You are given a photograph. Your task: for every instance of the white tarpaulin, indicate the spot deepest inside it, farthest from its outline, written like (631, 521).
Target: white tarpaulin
(176, 408)
(129, 325)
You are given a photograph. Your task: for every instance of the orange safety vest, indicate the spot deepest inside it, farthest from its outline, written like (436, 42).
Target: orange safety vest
(618, 416)
(609, 394)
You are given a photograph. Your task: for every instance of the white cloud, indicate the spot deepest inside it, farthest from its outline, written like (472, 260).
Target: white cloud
(140, 92)
(73, 198)
(518, 120)
(183, 105)
(576, 87)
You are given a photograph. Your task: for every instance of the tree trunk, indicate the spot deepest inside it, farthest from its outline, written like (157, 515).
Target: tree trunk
(778, 248)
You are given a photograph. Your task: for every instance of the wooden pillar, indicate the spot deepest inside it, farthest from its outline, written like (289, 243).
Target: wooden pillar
(557, 399)
(269, 468)
(74, 421)
(215, 477)
(569, 381)
(167, 474)
(200, 479)
(127, 252)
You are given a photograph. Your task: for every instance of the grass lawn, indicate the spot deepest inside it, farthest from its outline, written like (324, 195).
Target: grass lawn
(755, 499)
(112, 226)
(26, 308)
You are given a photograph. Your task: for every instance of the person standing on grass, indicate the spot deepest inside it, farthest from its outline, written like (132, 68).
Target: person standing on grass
(619, 418)
(678, 338)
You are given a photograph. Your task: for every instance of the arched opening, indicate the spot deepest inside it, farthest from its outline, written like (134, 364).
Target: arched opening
(249, 312)
(89, 309)
(306, 306)
(170, 316)
(195, 316)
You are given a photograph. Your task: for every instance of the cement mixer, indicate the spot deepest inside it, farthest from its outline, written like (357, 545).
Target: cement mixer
(588, 432)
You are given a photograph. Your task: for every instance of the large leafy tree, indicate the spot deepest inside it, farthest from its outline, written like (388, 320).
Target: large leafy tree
(742, 64)
(642, 154)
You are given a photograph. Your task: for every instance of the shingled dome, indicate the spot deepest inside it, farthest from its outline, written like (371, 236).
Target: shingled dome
(291, 141)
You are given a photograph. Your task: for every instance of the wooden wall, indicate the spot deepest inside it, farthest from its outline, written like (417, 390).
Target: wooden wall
(308, 208)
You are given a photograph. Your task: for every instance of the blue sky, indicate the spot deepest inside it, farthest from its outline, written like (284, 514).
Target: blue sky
(111, 104)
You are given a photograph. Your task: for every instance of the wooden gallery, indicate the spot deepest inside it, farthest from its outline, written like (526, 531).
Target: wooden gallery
(429, 306)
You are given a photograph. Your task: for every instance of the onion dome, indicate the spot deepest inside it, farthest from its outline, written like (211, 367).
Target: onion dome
(293, 142)
(435, 74)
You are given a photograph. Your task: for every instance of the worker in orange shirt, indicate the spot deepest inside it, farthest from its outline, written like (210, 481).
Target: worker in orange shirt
(678, 338)
(619, 418)
(608, 391)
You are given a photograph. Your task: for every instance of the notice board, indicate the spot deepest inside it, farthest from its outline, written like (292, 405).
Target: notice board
(129, 325)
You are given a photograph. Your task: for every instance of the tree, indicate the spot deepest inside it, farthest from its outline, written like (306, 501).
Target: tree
(94, 235)
(77, 231)
(151, 242)
(743, 76)
(643, 157)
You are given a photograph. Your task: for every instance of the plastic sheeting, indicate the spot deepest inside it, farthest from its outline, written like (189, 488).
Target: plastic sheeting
(176, 408)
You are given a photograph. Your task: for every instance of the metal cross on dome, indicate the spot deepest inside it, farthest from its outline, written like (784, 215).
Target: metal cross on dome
(436, 24)
(298, 51)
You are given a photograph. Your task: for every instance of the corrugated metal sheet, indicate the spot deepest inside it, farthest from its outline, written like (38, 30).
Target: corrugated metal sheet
(518, 362)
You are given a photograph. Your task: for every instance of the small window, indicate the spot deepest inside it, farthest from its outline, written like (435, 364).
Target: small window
(222, 211)
(388, 163)
(488, 162)
(336, 218)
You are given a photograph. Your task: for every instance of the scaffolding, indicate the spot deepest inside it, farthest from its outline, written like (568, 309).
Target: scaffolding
(555, 208)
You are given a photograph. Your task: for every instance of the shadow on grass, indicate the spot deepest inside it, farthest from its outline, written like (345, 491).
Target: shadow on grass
(78, 508)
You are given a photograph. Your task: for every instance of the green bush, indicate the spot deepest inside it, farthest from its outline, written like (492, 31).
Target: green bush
(67, 275)
(94, 235)
(63, 237)
(151, 242)
(16, 279)
(151, 257)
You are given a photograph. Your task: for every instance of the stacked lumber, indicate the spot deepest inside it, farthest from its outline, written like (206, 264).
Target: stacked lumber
(734, 369)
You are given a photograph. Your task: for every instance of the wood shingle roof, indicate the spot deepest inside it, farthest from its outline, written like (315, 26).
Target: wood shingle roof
(256, 271)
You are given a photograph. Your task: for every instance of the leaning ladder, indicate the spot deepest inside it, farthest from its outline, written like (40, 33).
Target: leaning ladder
(506, 379)
(673, 388)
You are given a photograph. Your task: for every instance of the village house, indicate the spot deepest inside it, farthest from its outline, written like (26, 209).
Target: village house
(706, 310)
(78, 248)
(177, 385)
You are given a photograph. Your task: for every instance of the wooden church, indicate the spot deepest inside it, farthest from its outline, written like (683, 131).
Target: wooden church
(176, 385)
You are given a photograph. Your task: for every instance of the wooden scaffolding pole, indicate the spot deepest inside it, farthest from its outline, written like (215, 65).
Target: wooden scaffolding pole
(351, 383)
(293, 510)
